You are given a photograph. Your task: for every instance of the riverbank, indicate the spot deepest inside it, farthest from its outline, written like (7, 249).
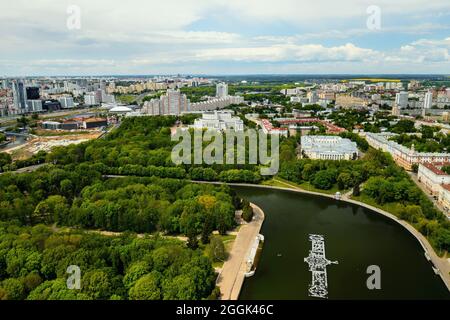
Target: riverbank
(232, 276)
(441, 264)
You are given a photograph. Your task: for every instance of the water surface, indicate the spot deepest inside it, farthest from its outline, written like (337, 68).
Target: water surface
(354, 236)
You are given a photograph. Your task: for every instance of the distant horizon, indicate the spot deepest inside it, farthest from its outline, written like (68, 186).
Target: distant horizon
(205, 75)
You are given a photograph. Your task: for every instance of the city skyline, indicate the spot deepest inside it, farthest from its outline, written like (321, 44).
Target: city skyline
(224, 37)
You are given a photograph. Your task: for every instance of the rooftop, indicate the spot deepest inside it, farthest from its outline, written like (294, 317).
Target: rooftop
(436, 168)
(328, 144)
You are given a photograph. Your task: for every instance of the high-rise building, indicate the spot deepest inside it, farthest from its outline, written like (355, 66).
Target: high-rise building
(99, 95)
(108, 98)
(33, 93)
(90, 99)
(428, 100)
(19, 96)
(34, 105)
(5, 84)
(401, 99)
(174, 102)
(66, 102)
(221, 90)
(312, 97)
(152, 107)
(102, 84)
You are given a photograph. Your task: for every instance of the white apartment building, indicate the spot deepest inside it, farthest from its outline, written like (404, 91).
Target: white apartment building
(221, 90)
(216, 103)
(66, 102)
(328, 148)
(401, 99)
(152, 107)
(299, 99)
(172, 103)
(219, 120)
(428, 100)
(292, 91)
(312, 96)
(90, 99)
(34, 105)
(403, 156)
(432, 177)
(444, 198)
(436, 182)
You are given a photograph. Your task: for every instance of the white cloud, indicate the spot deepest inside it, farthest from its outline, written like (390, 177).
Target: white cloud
(289, 52)
(145, 35)
(305, 11)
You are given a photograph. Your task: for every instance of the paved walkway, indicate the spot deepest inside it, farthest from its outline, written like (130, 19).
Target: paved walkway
(231, 278)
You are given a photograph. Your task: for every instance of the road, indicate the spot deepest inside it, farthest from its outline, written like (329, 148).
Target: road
(427, 193)
(26, 169)
(232, 277)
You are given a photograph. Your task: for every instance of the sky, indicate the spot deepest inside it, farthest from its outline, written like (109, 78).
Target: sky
(111, 37)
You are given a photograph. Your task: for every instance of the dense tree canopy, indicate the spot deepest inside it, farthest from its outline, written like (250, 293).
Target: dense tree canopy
(34, 261)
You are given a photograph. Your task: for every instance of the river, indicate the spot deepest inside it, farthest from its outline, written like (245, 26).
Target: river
(354, 236)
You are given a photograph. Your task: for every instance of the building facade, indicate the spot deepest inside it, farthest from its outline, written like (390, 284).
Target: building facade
(432, 177)
(328, 148)
(221, 90)
(403, 156)
(219, 120)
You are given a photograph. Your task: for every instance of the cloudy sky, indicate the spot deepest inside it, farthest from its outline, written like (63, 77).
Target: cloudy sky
(223, 37)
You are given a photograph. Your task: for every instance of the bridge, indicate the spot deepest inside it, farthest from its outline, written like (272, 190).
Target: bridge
(318, 267)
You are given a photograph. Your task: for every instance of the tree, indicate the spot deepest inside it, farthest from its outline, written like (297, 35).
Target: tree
(96, 284)
(31, 281)
(344, 180)
(442, 239)
(136, 271)
(56, 290)
(192, 242)
(23, 121)
(224, 215)
(411, 213)
(323, 180)
(53, 209)
(182, 287)
(216, 249)
(208, 228)
(66, 187)
(5, 158)
(247, 212)
(356, 190)
(146, 288)
(13, 289)
(427, 132)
